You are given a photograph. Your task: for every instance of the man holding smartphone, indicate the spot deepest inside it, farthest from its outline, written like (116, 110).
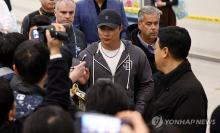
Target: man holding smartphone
(119, 61)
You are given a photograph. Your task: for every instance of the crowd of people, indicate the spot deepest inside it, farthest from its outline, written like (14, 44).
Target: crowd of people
(134, 73)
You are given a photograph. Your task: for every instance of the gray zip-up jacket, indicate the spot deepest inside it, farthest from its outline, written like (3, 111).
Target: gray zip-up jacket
(133, 72)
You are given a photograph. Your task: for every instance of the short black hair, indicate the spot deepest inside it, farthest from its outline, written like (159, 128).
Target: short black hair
(106, 97)
(6, 100)
(8, 44)
(40, 20)
(176, 39)
(49, 119)
(31, 58)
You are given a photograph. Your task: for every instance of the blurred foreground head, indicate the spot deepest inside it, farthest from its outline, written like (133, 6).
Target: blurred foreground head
(30, 61)
(49, 119)
(106, 97)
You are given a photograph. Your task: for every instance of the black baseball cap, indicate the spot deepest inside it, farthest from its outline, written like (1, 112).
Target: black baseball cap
(110, 18)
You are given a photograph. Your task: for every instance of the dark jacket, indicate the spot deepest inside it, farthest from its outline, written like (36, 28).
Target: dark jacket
(26, 23)
(133, 32)
(58, 85)
(57, 92)
(179, 95)
(27, 97)
(133, 72)
(76, 41)
(168, 18)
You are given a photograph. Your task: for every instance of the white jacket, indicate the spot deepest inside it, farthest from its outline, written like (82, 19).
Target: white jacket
(7, 22)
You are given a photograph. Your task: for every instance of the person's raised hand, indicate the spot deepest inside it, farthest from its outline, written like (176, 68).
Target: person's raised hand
(53, 43)
(77, 71)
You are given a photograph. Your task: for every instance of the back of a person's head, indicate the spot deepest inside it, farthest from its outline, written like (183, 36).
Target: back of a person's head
(106, 97)
(8, 44)
(176, 39)
(49, 119)
(40, 20)
(31, 58)
(6, 100)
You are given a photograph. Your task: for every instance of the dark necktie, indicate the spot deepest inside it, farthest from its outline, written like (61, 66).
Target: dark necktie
(150, 48)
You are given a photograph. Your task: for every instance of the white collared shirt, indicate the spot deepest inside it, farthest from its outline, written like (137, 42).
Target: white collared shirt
(146, 45)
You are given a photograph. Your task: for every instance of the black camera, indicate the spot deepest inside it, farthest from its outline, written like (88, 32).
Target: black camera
(40, 33)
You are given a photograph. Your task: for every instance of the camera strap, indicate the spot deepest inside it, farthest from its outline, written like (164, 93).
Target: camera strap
(77, 49)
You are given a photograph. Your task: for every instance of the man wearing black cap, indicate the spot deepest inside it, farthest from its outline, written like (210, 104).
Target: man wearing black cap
(118, 60)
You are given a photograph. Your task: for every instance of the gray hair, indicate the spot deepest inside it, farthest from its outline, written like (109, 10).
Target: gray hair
(148, 10)
(59, 1)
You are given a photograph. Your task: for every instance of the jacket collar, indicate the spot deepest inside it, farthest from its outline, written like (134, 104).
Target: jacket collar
(173, 76)
(136, 41)
(109, 3)
(93, 49)
(92, 10)
(18, 85)
(123, 56)
(43, 12)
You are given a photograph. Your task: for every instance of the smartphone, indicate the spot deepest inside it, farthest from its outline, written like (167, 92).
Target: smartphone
(35, 34)
(84, 57)
(97, 123)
